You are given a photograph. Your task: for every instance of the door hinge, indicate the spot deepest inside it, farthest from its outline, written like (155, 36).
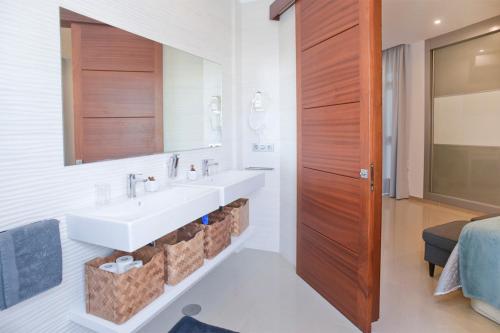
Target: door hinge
(372, 177)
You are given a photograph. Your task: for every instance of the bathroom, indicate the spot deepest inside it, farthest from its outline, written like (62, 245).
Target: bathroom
(228, 128)
(32, 127)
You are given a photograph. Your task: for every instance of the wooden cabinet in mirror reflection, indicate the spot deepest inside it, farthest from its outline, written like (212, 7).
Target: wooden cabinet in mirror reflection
(116, 107)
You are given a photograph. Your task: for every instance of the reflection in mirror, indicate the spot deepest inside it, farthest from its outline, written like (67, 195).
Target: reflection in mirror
(191, 101)
(125, 95)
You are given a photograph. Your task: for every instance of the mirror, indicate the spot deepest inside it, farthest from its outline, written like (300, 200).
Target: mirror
(125, 95)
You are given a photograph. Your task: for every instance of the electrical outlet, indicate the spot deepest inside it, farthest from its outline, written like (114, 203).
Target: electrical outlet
(263, 148)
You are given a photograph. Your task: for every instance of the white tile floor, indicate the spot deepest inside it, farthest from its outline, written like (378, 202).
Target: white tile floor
(256, 291)
(259, 292)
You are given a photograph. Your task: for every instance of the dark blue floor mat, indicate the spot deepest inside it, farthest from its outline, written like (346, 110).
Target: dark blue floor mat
(191, 325)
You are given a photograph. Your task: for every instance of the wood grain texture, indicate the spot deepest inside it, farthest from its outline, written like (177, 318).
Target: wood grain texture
(331, 139)
(339, 132)
(371, 131)
(158, 98)
(76, 47)
(322, 19)
(298, 69)
(331, 206)
(109, 48)
(122, 82)
(330, 71)
(278, 7)
(118, 94)
(112, 138)
(330, 270)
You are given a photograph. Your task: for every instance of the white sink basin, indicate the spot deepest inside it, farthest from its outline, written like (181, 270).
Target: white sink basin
(232, 184)
(130, 224)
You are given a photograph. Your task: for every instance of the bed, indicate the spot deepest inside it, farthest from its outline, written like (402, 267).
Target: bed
(474, 266)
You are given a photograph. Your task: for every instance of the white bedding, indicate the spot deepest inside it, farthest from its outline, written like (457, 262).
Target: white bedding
(450, 277)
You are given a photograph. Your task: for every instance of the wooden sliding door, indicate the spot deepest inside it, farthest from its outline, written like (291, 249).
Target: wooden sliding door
(118, 93)
(339, 153)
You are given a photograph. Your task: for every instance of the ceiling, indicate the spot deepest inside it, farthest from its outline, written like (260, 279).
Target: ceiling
(408, 21)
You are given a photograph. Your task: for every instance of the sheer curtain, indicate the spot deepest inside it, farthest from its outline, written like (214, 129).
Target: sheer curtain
(395, 169)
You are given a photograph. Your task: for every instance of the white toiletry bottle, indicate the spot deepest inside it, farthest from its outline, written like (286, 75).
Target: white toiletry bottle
(191, 174)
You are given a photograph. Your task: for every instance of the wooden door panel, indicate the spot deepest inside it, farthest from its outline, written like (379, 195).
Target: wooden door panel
(109, 48)
(330, 270)
(339, 133)
(118, 94)
(322, 19)
(331, 140)
(330, 71)
(331, 206)
(111, 138)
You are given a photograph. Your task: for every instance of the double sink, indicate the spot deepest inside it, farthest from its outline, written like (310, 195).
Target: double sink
(130, 224)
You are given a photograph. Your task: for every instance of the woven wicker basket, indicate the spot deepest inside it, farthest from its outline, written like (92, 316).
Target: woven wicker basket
(217, 233)
(239, 212)
(117, 297)
(184, 252)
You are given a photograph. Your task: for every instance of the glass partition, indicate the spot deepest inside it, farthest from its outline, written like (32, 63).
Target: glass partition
(465, 156)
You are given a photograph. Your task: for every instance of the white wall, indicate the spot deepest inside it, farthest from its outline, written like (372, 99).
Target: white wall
(416, 118)
(288, 139)
(266, 62)
(259, 69)
(35, 183)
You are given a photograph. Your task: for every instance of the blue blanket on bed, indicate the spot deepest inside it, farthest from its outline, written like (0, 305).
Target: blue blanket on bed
(479, 259)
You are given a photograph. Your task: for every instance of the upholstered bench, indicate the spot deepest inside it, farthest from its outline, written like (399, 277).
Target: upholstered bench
(441, 240)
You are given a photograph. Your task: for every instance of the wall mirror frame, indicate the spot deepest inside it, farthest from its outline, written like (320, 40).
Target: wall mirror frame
(125, 95)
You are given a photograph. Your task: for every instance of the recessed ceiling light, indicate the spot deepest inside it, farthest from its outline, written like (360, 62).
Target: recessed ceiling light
(437, 21)
(481, 51)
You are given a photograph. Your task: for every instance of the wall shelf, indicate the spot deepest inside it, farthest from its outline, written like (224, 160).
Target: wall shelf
(81, 317)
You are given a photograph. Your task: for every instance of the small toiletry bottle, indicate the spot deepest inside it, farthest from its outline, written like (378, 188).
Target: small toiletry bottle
(191, 174)
(152, 185)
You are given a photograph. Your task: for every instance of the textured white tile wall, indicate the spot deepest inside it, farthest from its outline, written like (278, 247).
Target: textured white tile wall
(288, 139)
(35, 184)
(258, 69)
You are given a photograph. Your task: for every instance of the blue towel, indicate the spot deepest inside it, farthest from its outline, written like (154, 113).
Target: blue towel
(479, 261)
(30, 261)
(191, 325)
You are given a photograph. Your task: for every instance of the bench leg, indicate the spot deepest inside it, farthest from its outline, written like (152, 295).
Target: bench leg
(431, 269)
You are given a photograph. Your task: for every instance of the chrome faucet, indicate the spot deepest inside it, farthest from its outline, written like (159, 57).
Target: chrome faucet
(173, 163)
(205, 166)
(132, 180)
